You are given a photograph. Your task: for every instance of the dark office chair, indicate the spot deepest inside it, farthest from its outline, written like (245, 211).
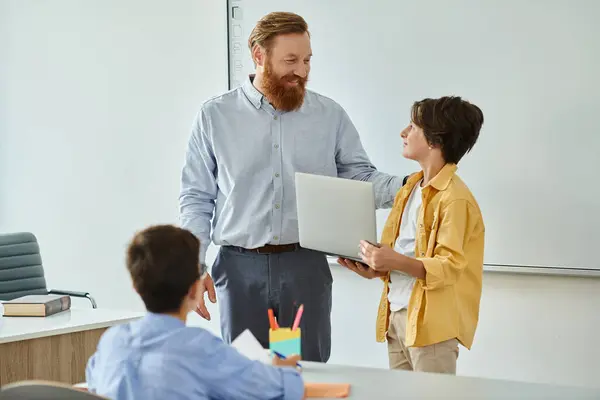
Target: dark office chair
(21, 270)
(42, 390)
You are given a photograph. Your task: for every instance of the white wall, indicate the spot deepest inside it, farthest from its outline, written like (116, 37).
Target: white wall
(537, 328)
(96, 102)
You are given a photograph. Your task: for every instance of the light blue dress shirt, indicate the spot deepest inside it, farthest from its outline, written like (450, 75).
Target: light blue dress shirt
(158, 357)
(242, 158)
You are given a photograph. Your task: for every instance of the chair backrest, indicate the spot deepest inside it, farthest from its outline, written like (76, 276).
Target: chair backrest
(43, 390)
(21, 270)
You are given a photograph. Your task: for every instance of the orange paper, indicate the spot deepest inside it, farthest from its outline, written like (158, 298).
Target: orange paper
(327, 390)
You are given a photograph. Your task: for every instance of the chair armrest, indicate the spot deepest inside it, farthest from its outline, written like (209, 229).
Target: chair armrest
(72, 293)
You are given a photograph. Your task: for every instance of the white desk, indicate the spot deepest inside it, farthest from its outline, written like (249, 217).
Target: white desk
(383, 384)
(56, 347)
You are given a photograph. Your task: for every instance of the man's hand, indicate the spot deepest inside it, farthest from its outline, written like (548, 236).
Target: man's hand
(379, 258)
(207, 285)
(359, 268)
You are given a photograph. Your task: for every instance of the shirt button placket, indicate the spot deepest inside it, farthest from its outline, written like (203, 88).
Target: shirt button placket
(277, 219)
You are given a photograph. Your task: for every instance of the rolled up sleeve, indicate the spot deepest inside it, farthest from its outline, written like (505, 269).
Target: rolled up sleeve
(448, 260)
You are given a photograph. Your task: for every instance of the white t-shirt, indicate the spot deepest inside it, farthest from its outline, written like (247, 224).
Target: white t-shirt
(401, 284)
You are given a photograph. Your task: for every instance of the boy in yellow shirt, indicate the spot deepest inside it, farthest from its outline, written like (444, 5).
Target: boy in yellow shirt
(431, 252)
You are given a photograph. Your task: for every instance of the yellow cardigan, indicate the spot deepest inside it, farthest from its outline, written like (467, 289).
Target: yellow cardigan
(449, 242)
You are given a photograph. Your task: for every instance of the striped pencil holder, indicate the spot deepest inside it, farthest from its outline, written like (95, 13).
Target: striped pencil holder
(286, 341)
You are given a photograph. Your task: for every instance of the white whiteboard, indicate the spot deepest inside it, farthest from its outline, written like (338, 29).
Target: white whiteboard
(532, 66)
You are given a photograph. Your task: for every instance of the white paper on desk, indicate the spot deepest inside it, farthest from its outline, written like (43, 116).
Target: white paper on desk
(249, 346)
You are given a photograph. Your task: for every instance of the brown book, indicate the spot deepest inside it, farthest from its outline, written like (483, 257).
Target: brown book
(36, 305)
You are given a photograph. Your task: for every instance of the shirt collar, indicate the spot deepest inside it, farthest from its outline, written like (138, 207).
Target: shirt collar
(440, 181)
(153, 322)
(443, 178)
(254, 96)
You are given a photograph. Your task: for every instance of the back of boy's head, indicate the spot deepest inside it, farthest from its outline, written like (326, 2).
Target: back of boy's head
(450, 123)
(163, 263)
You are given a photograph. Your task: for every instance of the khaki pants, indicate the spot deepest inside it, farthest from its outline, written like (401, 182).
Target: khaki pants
(439, 357)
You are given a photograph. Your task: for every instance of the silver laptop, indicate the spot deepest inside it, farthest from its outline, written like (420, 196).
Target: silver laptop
(335, 214)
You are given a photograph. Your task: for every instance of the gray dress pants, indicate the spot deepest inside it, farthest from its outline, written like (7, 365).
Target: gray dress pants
(248, 284)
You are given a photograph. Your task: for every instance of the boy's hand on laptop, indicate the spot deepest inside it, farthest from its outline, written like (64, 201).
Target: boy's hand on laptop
(360, 268)
(379, 258)
(207, 285)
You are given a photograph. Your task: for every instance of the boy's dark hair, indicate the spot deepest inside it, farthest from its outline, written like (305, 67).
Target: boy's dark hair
(163, 262)
(450, 123)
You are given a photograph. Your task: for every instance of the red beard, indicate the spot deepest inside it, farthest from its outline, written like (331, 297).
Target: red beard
(281, 97)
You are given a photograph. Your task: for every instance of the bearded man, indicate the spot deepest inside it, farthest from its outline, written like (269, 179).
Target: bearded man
(245, 148)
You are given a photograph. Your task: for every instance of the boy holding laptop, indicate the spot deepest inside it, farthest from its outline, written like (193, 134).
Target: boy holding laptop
(158, 357)
(431, 252)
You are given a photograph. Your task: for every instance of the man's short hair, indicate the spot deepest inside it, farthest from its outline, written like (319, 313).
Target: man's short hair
(274, 24)
(450, 123)
(163, 263)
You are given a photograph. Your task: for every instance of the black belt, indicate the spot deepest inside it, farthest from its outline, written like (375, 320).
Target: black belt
(270, 248)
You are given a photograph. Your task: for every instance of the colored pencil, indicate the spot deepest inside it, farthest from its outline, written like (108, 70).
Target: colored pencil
(272, 321)
(298, 317)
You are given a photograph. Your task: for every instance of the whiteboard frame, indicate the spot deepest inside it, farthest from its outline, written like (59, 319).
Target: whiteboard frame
(233, 42)
(525, 270)
(535, 270)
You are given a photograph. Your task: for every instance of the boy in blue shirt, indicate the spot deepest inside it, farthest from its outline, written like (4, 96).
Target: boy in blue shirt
(158, 356)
